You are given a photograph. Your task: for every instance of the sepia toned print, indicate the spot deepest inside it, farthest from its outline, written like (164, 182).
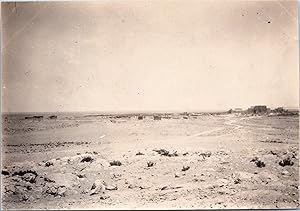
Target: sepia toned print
(150, 104)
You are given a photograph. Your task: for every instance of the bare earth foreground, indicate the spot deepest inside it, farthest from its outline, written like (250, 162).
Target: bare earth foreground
(220, 161)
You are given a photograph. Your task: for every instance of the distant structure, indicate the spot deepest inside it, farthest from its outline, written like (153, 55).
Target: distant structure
(258, 109)
(237, 110)
(54, 117)
(279, 110)
(157, 118)
(34, 117)
(264, 110)
(140, 117)
(167, 116)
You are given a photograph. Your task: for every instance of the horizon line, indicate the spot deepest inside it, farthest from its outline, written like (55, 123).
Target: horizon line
(145, 111)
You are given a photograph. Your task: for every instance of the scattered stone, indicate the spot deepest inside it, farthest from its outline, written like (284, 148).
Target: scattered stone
(260, 164)
(46, 179)
(25, 175)
(177, 175)
(115, 163)
(87, 159)
(205, 154)
(116, 176)
(49, 163)
(29, 177)
(150, 164)
(139, 153)
(174, 154)
(97, 187)
(237, 181)
(10, 188)
(80, 176)
(130, 186)
(51, 190)
(111, 187)
(286, 162)
(61, 191)
(141, 187)
(4, 172)
(104, 197)
(84, 192)
(185, 153)
(23, 172)
(25, 197)
(222, 182)
(161, 151)
(164, 188)
(276, 141)
(286, 173)
(224, 162)
(254, 159)
(185, 168)
(273, 152)
(171, 188)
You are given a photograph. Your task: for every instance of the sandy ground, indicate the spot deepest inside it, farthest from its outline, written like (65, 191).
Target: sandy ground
(222, 161)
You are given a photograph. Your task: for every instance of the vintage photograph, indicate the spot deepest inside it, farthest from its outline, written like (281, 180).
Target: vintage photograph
(146, 104)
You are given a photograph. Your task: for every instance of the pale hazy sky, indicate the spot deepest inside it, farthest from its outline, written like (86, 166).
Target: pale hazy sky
(121, 55)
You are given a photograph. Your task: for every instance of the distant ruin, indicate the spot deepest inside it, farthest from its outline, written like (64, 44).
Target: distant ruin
(264, 110)
(34, 117)
(54, 117)
(258, 109)
(157, 117)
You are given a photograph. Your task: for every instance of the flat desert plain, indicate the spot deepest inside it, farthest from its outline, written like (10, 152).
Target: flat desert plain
(209, 161)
